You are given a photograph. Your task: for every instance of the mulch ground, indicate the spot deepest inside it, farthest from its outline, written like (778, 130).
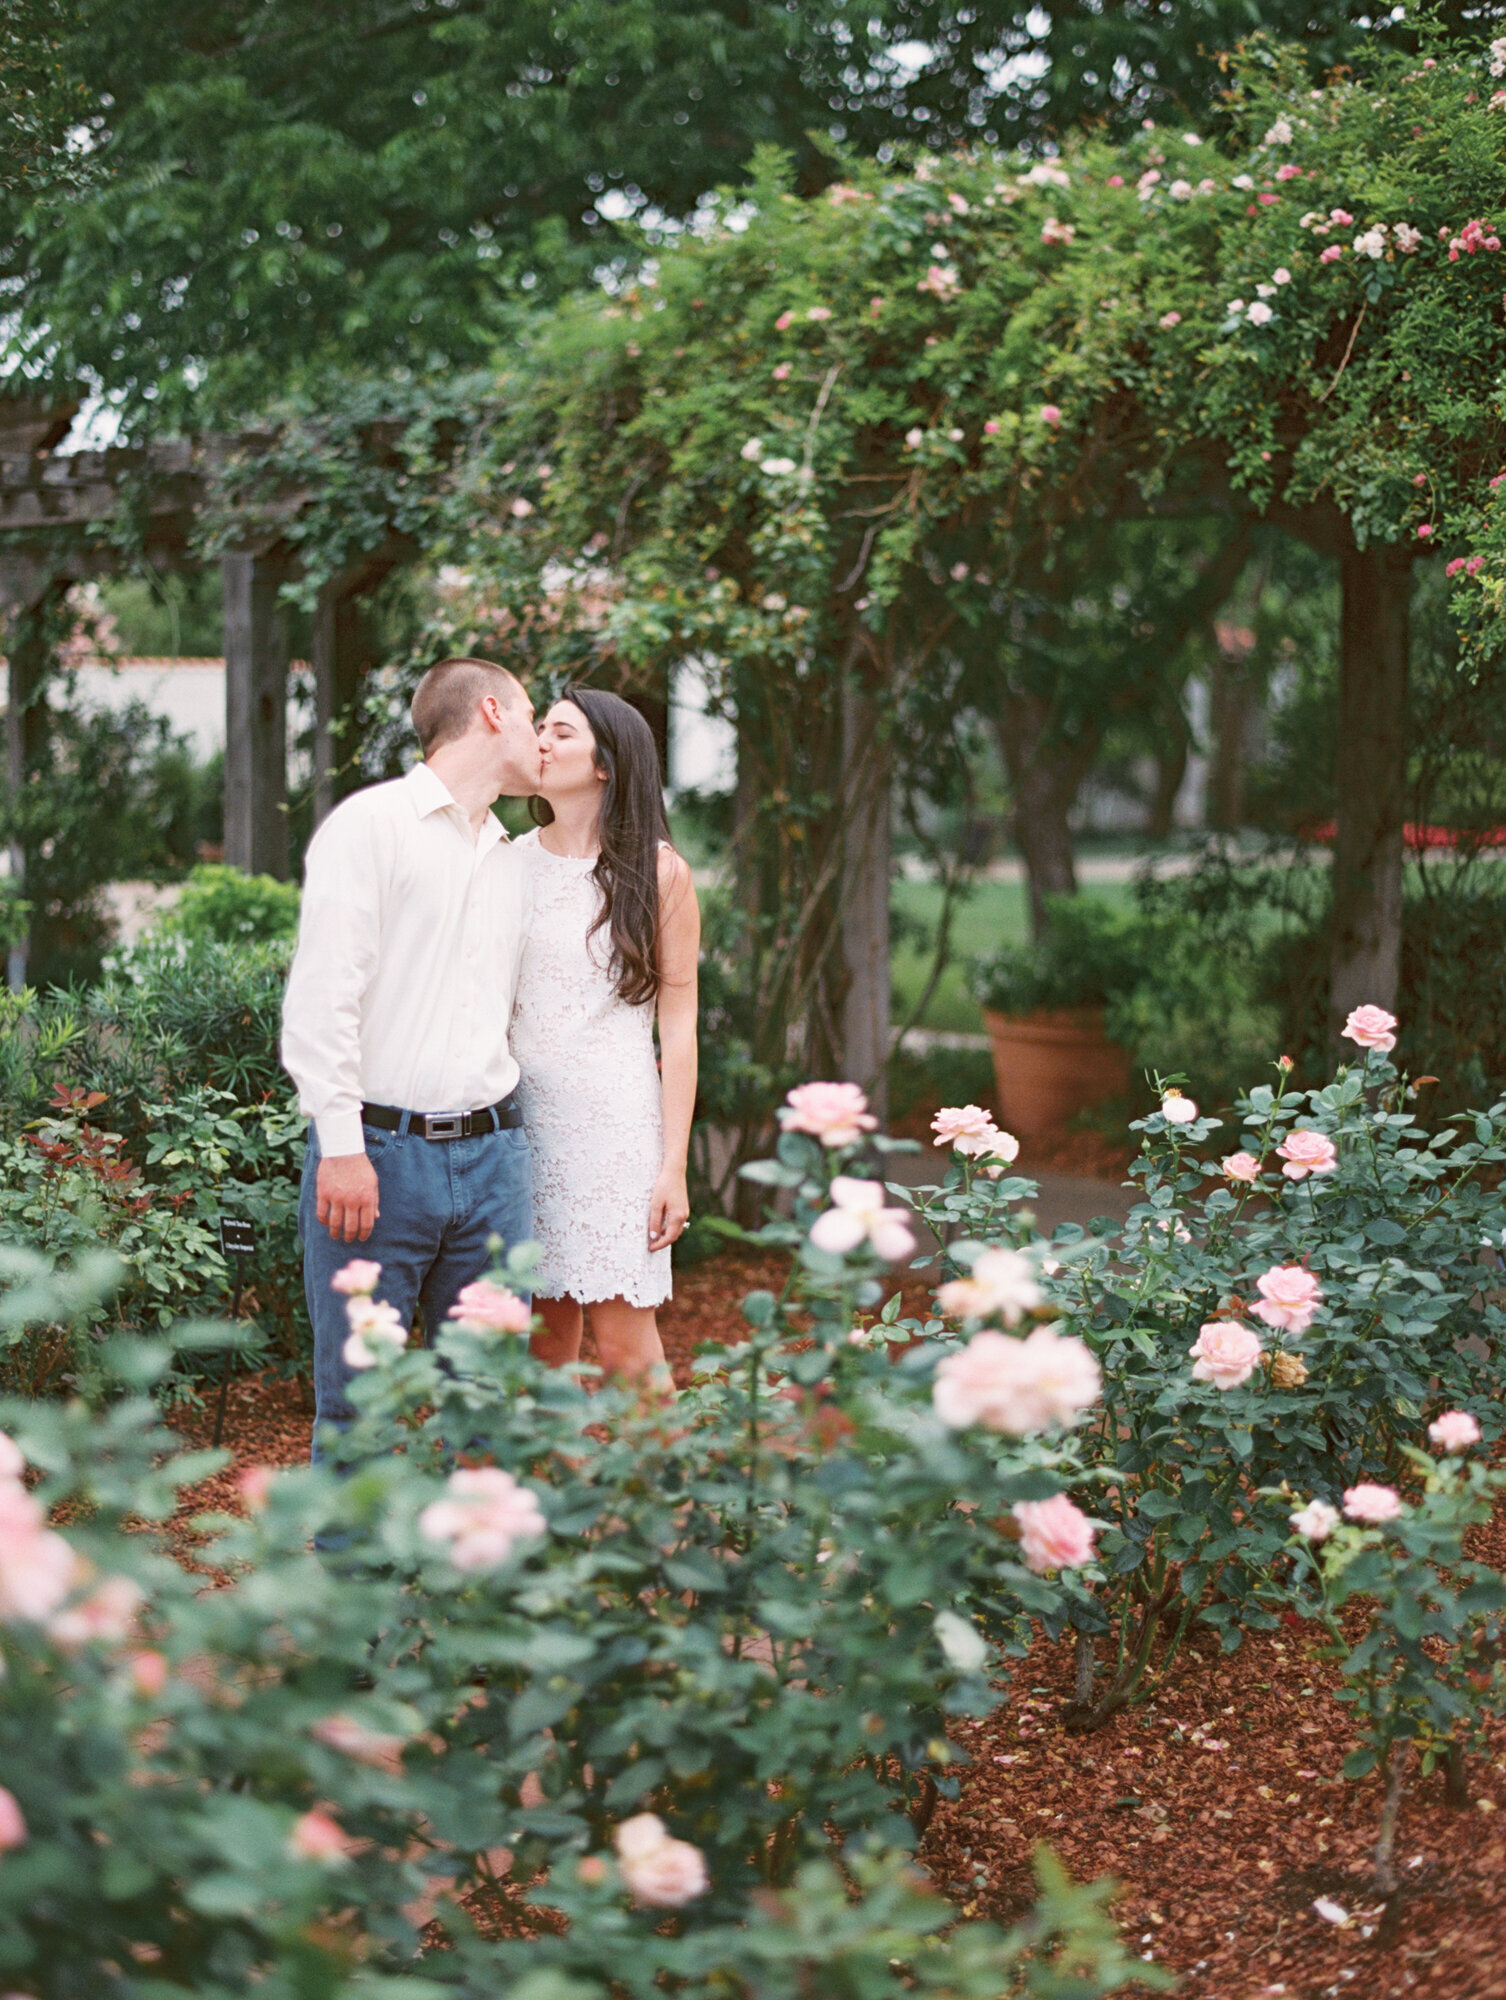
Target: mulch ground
(1218, 1805)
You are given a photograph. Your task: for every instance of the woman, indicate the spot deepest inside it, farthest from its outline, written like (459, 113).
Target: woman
(613, 939)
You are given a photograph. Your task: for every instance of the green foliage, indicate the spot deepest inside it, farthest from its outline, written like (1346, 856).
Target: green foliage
(137, 1112)
(387, 190)
(221, 905)
(1089, 955)
(176, 615)
(111, 797)
(730, 1619)
(44, 99)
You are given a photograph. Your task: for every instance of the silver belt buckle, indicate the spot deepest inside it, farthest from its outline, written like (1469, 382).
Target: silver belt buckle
(444, 1125)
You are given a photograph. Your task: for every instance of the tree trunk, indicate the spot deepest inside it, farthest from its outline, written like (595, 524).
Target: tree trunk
(1045, 775)
(256, 744)
(1370, 781)
(25, 728)
(1171, 769)
(339, 654)
(865, 835)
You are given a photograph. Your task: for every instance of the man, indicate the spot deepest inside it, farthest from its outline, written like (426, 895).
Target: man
(396, 1015)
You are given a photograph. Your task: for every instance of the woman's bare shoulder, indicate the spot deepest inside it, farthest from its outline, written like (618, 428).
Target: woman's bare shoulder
(675, 879)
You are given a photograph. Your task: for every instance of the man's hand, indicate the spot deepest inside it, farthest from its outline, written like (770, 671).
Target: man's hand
(347, 1196)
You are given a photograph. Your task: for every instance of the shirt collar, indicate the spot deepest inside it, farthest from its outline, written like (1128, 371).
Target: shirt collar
(430, 794)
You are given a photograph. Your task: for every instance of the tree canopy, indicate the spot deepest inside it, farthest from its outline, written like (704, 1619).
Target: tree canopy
(379, 183)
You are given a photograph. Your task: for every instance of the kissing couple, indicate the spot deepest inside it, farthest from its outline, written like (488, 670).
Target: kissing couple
(470, 1023)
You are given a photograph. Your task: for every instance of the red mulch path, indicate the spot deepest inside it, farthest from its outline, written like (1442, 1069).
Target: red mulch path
(1218, 1805)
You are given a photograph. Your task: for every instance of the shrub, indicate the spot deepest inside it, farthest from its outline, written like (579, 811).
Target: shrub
(221, 905)
(136, 1113)
(1291, 1324)
(1089, 954)
(120, 799)
(1426, 1672)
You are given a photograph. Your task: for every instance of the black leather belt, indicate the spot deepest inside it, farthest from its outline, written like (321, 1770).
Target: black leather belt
(499, 1117)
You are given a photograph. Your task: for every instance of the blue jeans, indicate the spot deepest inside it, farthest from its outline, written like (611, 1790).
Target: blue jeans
(440, 1201)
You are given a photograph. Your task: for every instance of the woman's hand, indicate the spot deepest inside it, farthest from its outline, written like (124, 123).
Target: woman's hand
(668, 1208)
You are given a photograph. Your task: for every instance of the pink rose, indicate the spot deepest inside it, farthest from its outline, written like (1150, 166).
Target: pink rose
(488, 1308)
(37, 1567)
(1453, 568)
(107, 1615)
(359, 1275)
(317, 1837)
(1116, 180)
(376, 1332)
(835, 1113)
(782, 372)
(1372, 1028)
(1424, 530)
(1016, 1386)
(1340, 218)
(1242, 1167)
(859, 1214)
(660, 1871)
(1289, 1297)
(961, 1121)
(1001, 1281)
(785, 321)
(1054, 1534)
(1225, 1353)
(1454, 1430)
(1287, 172)
(255, 1483)
(484, 1513)
(1168, 320)
(1307, 1153)
(1372, 1504)
(1332, 254)
(148, 1671)
(819, 312)
(991, 427)
(1050, 414)
(1316, 1521)
(12, 1825)
(359, 1742)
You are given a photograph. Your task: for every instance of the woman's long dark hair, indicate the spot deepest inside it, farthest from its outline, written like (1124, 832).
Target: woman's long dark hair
(632, 825)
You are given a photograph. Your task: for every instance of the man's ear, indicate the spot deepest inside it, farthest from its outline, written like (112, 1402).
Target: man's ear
(491, 713)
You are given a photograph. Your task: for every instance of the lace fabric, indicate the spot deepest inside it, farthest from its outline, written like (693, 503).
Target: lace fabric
(592, 1102)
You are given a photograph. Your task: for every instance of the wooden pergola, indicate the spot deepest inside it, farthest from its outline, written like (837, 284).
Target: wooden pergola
(60, 522)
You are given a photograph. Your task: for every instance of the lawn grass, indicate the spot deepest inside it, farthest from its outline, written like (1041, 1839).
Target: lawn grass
(993, 913)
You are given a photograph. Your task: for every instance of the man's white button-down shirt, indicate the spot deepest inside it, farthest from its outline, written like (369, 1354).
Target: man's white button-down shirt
(408, 943)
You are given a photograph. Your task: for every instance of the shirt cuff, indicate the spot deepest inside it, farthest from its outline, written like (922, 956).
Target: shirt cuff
(340, 1132)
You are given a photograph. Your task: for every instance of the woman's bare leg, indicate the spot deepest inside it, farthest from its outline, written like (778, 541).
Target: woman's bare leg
(627, 1337)
(559, 1343)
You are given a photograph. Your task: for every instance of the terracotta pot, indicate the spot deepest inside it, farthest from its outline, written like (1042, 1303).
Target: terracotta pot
(1049, 1065)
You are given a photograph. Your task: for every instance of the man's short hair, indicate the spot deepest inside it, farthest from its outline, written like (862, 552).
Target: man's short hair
(444, 702)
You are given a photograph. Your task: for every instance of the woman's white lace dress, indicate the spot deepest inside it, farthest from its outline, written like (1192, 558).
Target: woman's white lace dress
(592, 1102)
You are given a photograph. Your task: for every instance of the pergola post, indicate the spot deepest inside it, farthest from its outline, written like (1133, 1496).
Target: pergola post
(865, 887)
(23, 598)
(338, 659)
(256, 751)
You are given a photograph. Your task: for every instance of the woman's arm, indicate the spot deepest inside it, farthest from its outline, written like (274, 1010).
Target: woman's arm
(679, 960)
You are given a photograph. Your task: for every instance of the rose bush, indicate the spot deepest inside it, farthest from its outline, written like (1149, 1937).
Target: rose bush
(635, 1661)
(1255, 1329)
